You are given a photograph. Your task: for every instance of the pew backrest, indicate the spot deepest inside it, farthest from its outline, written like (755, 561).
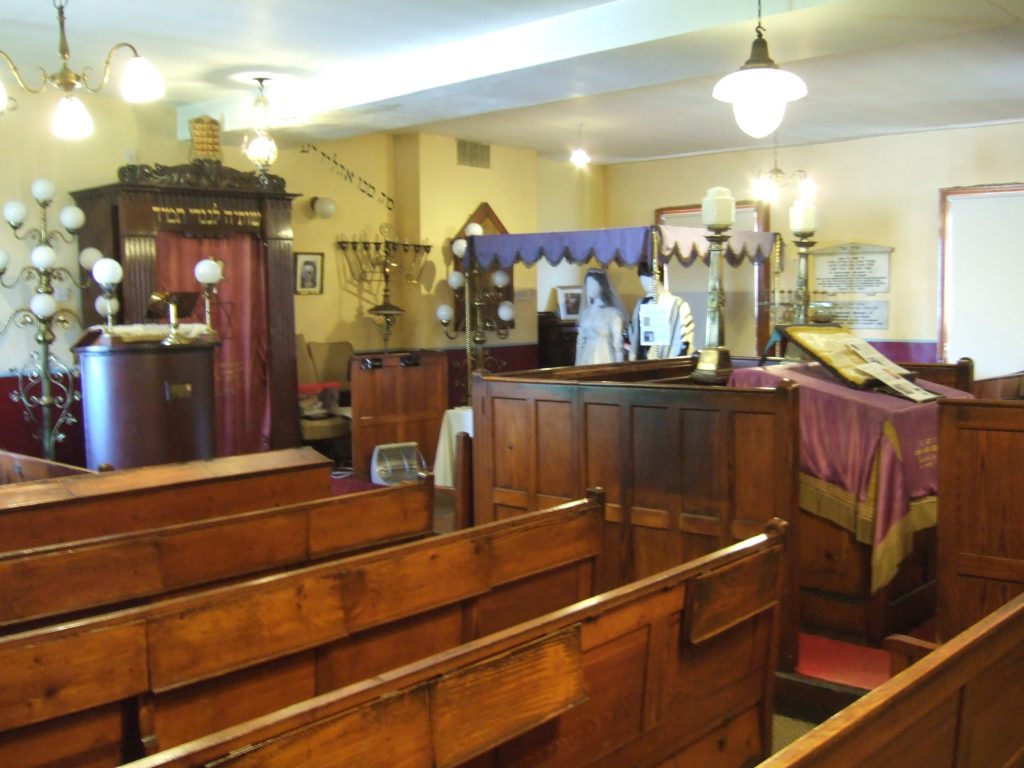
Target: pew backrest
(959, 706)
(183, 666)
(19, 468)
(45, 582)
(78, 507)
(673, 670)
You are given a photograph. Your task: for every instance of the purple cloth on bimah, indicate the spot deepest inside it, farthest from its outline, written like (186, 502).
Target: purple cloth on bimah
(842, 429)
(625, 245)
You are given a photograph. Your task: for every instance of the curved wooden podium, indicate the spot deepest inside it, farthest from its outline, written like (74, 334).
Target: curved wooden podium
(145, 403)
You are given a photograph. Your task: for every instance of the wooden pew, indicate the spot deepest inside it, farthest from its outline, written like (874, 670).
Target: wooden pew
(75, 577)
(980, 518)
(89, 692)
(673, 670)
(687, 469)
(961, 706)
(85, 506)
(19, 468)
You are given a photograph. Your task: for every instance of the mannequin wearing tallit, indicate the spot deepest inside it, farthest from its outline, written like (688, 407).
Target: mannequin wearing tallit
(599, 337)
(673, 315)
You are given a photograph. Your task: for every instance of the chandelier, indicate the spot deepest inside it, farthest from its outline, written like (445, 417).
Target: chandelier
(767, 185)
(140, 82)
(258, 145)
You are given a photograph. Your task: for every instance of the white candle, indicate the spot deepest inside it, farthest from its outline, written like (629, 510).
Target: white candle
(802, 216)
(718, 208)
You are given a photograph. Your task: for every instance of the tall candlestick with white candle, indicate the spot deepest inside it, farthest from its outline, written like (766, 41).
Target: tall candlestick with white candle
(803, 216)
(718, 208)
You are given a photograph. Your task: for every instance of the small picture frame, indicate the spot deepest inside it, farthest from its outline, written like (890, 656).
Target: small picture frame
(570, 302)
(309, 273)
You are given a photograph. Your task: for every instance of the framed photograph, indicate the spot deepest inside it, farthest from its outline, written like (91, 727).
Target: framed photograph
(309, 273)
(570, 302)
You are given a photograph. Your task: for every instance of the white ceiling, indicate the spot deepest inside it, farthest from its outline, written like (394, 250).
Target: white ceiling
(637, 74)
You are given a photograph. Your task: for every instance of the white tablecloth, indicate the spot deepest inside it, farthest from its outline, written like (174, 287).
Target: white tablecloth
(455, 420)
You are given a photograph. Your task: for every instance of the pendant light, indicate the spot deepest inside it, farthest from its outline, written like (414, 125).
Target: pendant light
(759, 90)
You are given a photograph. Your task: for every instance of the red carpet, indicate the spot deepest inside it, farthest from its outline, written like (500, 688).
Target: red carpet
(343, 485)
(844, 663)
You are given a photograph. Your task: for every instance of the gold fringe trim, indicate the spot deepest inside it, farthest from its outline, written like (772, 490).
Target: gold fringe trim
(887, 555)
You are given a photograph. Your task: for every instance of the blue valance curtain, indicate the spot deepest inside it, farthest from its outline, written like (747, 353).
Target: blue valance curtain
(626, 246)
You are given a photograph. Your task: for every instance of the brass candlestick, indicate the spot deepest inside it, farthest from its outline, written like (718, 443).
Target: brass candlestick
(714, 366)
(804, 242)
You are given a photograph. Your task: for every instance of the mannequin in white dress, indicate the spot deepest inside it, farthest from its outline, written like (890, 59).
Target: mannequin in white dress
(600, 329)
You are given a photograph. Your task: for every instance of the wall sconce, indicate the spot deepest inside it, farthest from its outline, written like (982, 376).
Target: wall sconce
(759, 90)
(322, 207)
(45, 383)
(487, 305)
(140, 82)
(258, 145)
(374, 261)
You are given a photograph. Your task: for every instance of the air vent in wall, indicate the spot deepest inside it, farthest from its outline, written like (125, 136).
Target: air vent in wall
(474, 155)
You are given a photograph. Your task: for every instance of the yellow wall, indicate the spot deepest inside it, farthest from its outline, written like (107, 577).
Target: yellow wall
(883, 191)
(339, 313)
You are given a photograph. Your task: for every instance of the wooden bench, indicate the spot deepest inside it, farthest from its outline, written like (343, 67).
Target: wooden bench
(85, 506)
(673, 670)
(961, 706)
(90, 692)
(75, 577)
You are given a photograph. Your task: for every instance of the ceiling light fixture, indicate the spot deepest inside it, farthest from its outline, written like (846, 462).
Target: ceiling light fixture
(579, 156)
(767, 185)
(140, 82)
(759, 90)
(258, 145)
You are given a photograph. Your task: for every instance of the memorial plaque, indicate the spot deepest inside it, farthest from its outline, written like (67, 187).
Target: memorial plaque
(861, 314)
(852, 268)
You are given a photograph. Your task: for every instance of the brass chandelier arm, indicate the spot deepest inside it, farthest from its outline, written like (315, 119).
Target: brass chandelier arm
(21, 317)
(17, 75)
(26, 273)
(107, 63)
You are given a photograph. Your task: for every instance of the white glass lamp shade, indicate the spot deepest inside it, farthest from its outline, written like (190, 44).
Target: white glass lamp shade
(43, 305)
(759, 96)
(107, 272)
(500, 278)
(808, 189)
(579, 158)
(718, 208)
(208, 272)
(88, 258)
(445, 313)
(474, 230)
(105, 306)
(71, 120)
(43, 257)
(323, 207)
(72, 218)
(15, 213)
(459, 247)
(261, 149)
(43, 190)
(456, 281)
(140, 81)
(764, 189)
(5, 259)
(506, 311)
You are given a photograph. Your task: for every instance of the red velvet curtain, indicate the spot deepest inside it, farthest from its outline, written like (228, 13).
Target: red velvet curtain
(241, 383)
